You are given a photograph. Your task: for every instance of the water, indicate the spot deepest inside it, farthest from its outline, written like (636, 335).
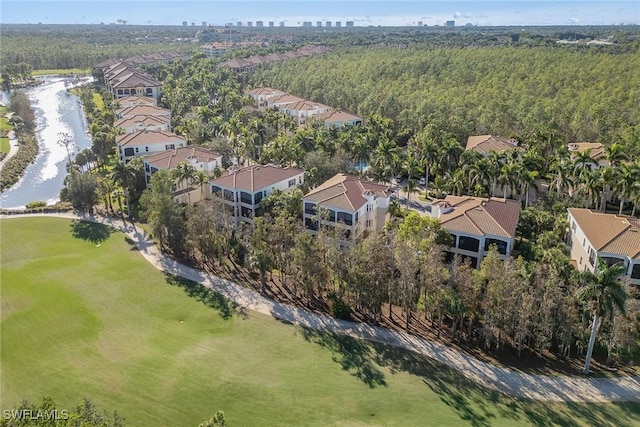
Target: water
(56, 111)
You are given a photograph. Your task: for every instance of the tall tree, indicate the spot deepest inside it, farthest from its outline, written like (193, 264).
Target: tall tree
(602, 292)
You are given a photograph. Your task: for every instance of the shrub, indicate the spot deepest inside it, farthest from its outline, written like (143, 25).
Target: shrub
(338, 308)
(36, 204)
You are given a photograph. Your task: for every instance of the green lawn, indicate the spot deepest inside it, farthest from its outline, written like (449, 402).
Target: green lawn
(5, 145)
(61, 71)
(83, 315)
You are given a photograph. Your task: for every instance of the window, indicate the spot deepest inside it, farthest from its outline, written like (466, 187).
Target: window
(501, 244)
(635, 271)
(612, 261)
(369, 223)
(592, 257)
(310, 224)
(345, 218)
(356, 219)
(584, 242)
(246, 212)
(120, 92)
(573, 225)
(228, 195)
(146, 149)
(369, 207)
(146, 167)
(468, 243)
(292, 182)
(128, 152)
(170, 147)
(137, 151)
(149, 91)
(310, 208)
(216, 190)
(245, 197)
(257, 197)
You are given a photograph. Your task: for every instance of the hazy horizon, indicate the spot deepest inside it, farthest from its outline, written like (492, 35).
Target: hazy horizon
(362, 13)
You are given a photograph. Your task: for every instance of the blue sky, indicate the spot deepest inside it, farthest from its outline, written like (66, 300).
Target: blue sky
(363, 13)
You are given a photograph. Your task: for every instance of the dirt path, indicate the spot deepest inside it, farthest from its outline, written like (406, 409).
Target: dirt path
(12, 151)
(504, 380)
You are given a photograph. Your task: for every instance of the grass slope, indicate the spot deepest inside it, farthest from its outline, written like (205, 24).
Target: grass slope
(83, 315)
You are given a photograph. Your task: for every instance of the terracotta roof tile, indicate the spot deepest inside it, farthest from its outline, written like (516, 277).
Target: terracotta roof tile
(484, 144)
(255, 177)
(171, 158)
(149, 137)
(608, 232)
(481, 216)
(346, 192)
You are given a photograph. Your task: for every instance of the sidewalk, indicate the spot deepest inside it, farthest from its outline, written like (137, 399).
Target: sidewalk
(12, 151)
(504, 380)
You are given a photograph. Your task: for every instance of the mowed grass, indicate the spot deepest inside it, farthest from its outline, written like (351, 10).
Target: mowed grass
(5, 145)
(61, 71)
(84, 315)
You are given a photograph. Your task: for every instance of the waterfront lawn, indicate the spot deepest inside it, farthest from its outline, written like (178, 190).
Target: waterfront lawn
(84, 315)
(4, 122)
(5, 145)
(61, 71)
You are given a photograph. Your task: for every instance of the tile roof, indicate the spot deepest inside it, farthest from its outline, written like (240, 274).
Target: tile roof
(132, 100)
(305, 105)
(284, 99)
(346, 192)
(336, 116)
(142, 110)
(484, 144)
(481, 216)
(609, 233)
(596, 150)
(149, 137)
(171, 158)
(255, 177)
(265, 91)
(142, 119)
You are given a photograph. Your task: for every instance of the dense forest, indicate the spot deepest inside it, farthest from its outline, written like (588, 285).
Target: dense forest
(529, 93)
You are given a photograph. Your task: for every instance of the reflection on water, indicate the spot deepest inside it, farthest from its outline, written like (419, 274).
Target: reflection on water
(55, 111)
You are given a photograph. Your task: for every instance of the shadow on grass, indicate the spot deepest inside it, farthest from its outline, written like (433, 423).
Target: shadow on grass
(476, 405)
(90, 231)
(203, 294)
(355, 356)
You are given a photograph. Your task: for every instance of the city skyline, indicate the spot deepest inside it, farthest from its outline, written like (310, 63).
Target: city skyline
(293, 14)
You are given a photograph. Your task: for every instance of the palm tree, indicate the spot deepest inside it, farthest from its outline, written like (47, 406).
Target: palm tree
(509, 177)
(590, 187)
(125, 177)
(410, 166)
(428, 155)
(494, 162)
(528, 180)
(582, 161)
(560, 175)
(627, 176)
(456, 181)
(603, 291)
(184, 173)
(615, 154)
(200, 179)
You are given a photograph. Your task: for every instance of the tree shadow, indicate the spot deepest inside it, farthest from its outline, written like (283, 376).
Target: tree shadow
(90, 231)
(476, 405)
(201, 293)
(355, 356)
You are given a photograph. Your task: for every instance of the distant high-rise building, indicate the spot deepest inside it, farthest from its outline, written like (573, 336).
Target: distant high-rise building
(451, 24)
(349, 24)
(307, 24)
(249, 23)
(271, 24)
(281, 23)
(259, 24)
(419, 23)
(204, 23)
(328, 24)
(229, 24)
(185, 23)
(239, 24)
(338, 24)
(193, 24)
(319, 24)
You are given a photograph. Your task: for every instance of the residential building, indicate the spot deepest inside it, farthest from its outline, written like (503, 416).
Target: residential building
(476, 223)
(303, 110)
(280, 101)
(613, 238)
(147, 142)
(132, 101)
(596, 152)
(142, 110)
(214, 50)
(123, 80)
(350, 205)
(260, 95)
(242, 188)
(338, 118)
(142, 123)
(450, 24)
(484, 144)
(200, 158)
